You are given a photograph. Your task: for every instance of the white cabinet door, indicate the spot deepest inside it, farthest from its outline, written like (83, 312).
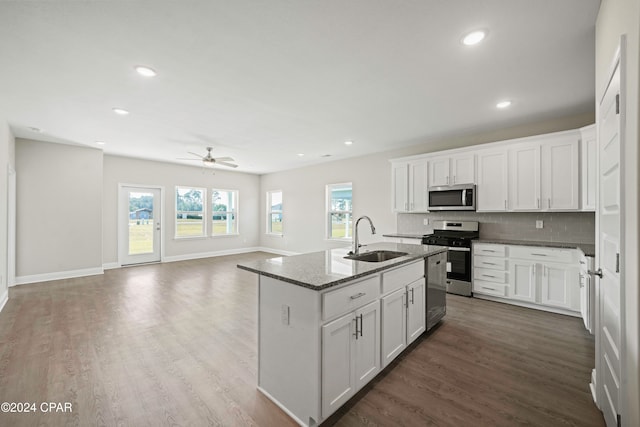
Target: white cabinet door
(418, 197)
(416, 310)
(463, 169)
(492, 181)
(439, 172)
(400, 185)
(367, 344)
(524, 177)
(559, 171)
(394, 323)
(523, 280)
(588, 171)
(338, 363)
(560, 286)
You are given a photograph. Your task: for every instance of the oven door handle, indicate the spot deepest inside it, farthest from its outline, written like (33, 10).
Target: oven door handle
(460, 249)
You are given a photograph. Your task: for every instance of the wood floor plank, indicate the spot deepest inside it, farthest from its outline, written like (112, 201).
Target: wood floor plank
(175, 344)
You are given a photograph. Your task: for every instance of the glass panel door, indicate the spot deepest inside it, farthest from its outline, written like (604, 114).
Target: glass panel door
(140, 225)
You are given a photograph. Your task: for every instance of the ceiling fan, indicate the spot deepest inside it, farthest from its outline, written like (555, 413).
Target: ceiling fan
(208, 159)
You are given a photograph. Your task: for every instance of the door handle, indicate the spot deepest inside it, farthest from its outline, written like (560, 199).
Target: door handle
(598, 272)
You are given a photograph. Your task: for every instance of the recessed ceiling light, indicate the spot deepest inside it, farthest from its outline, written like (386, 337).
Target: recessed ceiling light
(146, 71)
(474, 37)
(300, 154)
(348, 142)
(503, 104)
(326, 155)
(100, 142)
(34, 129)
(120, 111)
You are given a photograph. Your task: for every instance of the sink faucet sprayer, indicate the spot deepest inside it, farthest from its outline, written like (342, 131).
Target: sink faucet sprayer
(356, 244)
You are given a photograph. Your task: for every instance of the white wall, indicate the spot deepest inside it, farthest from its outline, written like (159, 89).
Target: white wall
(143, 172)
(304, 189)
(59, 211)
(7, 160)
(617, 17)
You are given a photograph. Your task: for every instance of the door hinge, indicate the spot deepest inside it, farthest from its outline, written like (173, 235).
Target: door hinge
(618, 103)
(617, 263)
(619, 420)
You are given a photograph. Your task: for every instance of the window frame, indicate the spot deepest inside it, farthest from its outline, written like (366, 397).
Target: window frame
(329, 212)
(203, 190)
(270, 212)
(235, 212)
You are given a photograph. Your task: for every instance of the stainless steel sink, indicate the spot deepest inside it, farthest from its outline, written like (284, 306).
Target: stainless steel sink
(376, 256)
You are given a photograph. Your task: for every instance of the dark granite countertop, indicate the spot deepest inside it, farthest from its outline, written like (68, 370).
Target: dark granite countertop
(322, 270)
(587, 248)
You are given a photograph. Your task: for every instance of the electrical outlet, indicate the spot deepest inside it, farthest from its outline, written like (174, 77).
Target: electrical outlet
(426, 221)
(284, 314)
(539, 223)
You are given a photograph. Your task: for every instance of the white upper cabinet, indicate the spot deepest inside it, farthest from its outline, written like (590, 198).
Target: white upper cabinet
(492, 180)
(588, 165)
(400, 186)
(552, 172)
(409, 186)
(524, 177)
(452, 170)
(560, 174)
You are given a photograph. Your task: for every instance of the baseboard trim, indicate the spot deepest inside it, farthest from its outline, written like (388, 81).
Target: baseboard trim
(4, 299)
(110, 266)
(47, 277)
(528, 305)
(275, 251)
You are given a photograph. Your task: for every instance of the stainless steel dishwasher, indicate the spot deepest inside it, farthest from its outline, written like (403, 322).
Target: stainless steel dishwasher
(436, 272)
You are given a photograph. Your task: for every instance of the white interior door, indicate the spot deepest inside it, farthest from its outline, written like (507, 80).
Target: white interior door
(608, 255)
(140, 225)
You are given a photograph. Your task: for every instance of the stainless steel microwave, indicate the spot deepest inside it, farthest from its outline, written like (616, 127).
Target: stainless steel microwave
(452, 198)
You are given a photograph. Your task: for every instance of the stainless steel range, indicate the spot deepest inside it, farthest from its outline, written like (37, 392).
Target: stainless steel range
(457, 237)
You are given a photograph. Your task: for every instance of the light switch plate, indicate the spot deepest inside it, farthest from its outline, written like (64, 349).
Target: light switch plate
(284, 314)
(426, 221)
(539, 223)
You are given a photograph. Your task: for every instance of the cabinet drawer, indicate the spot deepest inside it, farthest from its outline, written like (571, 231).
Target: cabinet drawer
(542, 254)
(489, 288)
(402, 276)
(490, 275)
(350, 297)
(490, 263)
(489, 250)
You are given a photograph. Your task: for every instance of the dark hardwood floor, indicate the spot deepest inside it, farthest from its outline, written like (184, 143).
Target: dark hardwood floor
(175, 344)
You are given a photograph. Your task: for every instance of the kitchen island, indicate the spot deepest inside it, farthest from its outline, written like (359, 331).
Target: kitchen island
(327, 325)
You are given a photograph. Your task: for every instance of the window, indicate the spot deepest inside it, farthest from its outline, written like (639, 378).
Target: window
(339, 211)
(224, 212)
(274, 212)
(190, 212)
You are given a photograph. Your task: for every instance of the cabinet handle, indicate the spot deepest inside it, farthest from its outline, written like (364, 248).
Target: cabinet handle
(505, 205)
(488, 250)
(538, 203)
(488, 275)
(454, 179)
(411, 296)
(544, 271)
(358, 295)
(360, 325)
(447, 180)
(437, 263)
(549, 203)
(356, 334)
(488, 263)
(539, 254)
(486, 287)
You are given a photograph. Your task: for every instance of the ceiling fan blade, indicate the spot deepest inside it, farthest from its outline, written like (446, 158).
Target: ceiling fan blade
(187, 158)
(223, 159)
(231, 165)
(195, 154)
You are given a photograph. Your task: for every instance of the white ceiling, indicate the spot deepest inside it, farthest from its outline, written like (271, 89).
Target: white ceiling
(264, 80)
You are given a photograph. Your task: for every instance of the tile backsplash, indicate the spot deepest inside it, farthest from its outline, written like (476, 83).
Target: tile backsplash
(569, 227)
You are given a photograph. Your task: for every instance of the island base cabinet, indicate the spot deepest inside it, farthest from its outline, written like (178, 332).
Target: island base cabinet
(350, 355)
(558, 286)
